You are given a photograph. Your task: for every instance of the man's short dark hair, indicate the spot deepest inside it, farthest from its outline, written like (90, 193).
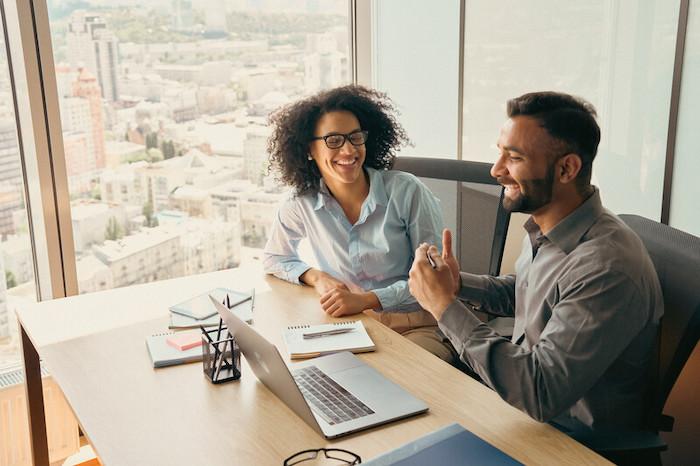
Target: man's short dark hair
(569, 119)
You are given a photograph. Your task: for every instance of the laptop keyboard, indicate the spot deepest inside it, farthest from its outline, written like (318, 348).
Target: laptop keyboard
(328, 399)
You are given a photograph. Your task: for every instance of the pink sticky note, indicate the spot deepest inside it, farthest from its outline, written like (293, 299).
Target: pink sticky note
(184, 341)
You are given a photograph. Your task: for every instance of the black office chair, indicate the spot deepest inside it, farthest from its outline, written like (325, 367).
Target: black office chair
(472, 209)
(676, 258)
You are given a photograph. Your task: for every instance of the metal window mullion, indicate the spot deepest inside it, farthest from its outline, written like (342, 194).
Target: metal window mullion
(41, 148)
(460, 78)
(362, 51)
(673, 111)
(57, 154)
(460, 116)
(352, 38)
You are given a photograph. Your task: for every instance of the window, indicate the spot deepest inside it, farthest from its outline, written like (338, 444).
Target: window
(163, 114)
(617, 55)
(16, 260)
(416, 62)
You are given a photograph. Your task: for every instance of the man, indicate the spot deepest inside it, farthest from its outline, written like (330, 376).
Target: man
(585, 296)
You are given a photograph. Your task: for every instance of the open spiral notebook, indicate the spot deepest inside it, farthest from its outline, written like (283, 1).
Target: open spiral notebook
(356, 339)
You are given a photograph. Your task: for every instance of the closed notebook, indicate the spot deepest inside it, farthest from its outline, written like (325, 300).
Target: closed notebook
(162, 354)
(356, 340)
(180, 322)
(201, 306)
(451, 445)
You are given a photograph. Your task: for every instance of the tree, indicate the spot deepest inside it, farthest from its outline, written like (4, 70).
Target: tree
(151, 141)
(168, 148)
(10, 279)
(151, 220)
(113, 231)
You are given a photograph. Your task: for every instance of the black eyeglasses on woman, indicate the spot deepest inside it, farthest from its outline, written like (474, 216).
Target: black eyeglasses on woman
(336, 140)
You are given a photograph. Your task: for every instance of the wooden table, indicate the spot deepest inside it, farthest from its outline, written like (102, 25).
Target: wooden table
(94, 347)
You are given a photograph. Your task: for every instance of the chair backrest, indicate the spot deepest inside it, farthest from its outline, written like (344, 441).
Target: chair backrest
(472, 208)
(676, 258)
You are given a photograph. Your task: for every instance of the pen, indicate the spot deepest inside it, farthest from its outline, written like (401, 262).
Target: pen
(218, 332)
(232, 304)
(324, 333)
(430, 259)
(221, 360)
(216, 343)
(206, 334)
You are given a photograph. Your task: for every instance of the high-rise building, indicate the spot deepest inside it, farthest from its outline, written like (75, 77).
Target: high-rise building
(182, 15)
(9, 153)
(324, 65)
(92, 45)
(86, 87)
(80, 165)
(10, 176)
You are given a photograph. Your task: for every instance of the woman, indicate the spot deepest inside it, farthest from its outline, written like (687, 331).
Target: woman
(363, 221)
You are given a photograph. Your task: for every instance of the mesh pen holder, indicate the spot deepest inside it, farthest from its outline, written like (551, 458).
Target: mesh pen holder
(221, 355)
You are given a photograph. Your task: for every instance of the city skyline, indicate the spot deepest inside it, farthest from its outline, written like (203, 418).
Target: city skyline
(165, 142)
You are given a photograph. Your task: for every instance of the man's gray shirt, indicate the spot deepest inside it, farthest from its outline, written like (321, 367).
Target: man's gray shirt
(587, 304)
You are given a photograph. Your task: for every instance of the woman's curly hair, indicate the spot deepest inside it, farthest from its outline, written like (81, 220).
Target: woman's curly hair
(293, 128)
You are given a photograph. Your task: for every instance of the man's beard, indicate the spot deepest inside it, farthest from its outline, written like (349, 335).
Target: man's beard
(534, 194)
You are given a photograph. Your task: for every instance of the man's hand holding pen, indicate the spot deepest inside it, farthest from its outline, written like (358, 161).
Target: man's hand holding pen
(434, 278)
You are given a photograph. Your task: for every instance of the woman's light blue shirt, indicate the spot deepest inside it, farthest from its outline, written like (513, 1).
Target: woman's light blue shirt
(376, 253)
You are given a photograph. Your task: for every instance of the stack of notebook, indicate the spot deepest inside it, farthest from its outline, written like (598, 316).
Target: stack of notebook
(169, 349)
(164, 350)
(199, 311)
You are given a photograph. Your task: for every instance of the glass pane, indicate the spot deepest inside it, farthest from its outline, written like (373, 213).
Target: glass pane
(416, 62)
(686, 191)
(618, 55)
(163, 109)
(16, 261)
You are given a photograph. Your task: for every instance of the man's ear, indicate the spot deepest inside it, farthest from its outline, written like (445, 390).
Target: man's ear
(568, 167)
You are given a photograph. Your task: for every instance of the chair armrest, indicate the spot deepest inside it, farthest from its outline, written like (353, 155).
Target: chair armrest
(624, 441)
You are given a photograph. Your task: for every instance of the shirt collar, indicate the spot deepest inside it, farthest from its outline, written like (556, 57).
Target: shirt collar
(567, 234)
(377, 191)
(322, 195)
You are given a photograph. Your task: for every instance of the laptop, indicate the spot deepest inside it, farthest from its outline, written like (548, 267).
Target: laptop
(336, 394)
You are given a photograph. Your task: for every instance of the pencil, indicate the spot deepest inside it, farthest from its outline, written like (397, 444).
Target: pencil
(221, 361)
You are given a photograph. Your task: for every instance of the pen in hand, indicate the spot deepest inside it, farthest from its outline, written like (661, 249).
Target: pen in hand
(325, 333)
(430, 259)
